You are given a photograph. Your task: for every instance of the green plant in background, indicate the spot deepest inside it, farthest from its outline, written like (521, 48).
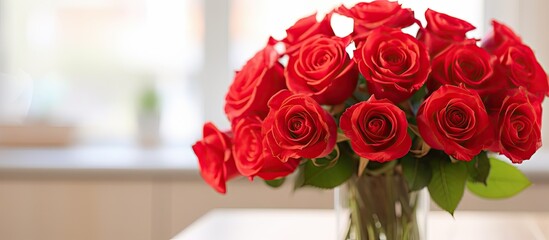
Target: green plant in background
(148, 117)
(149, 101)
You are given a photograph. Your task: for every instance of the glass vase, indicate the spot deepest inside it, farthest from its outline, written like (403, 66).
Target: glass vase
(380, 208)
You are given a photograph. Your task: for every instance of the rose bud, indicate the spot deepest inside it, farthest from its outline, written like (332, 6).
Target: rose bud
(323, 70)
(455, 120)
(298, 127)
(214, 157)
(442, 30)
(377, 130)
(304, 29)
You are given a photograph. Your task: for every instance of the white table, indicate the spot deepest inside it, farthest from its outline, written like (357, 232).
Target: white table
(289, 224)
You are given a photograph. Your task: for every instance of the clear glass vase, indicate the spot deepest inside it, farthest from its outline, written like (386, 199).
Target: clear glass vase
(381, 208)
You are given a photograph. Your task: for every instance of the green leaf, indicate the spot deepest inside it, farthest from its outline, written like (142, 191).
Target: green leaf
(447, 183)
(300, 178)
(479, 168)
(417, 172)
(419, 95)
(416, 100)
(326, 177)
(504, 181)
(275, 183)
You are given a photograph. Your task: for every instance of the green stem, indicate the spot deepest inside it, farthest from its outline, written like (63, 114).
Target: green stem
(390, 206)
(355, 215)
(373, 201)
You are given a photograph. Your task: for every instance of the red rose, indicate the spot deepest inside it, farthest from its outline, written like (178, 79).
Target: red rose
(323, 70)
(250, 154)
(368, 16)
(298, 127)
(447, 26)
(517, 126)
(377, 130)
(518, 64)
(466, 64)
(214, 157)
(305, 28)
(442, 30)
(454, 119)
(499, 35)
(393, 63)
(259, 79)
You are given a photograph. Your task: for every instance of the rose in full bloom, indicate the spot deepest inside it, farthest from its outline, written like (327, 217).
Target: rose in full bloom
(517, 126)
(518, 64)
(455, 120)
(323, 70)
(500, 34)
(377, 130)
(260, 78)
(368, 16)
(214, 157)
(442, 30)
(466, 64)
(305, 28)
(251, 156)
(297, 127)
(394, 64)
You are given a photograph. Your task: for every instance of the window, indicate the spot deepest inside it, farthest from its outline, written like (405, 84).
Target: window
(86, 62)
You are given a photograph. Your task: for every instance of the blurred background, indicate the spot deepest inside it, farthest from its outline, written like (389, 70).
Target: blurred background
(100, 101)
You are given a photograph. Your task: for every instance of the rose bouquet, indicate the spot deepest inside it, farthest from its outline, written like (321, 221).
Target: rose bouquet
(383, 111)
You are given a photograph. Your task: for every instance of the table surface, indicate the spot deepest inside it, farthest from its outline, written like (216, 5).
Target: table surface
(289, 224)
